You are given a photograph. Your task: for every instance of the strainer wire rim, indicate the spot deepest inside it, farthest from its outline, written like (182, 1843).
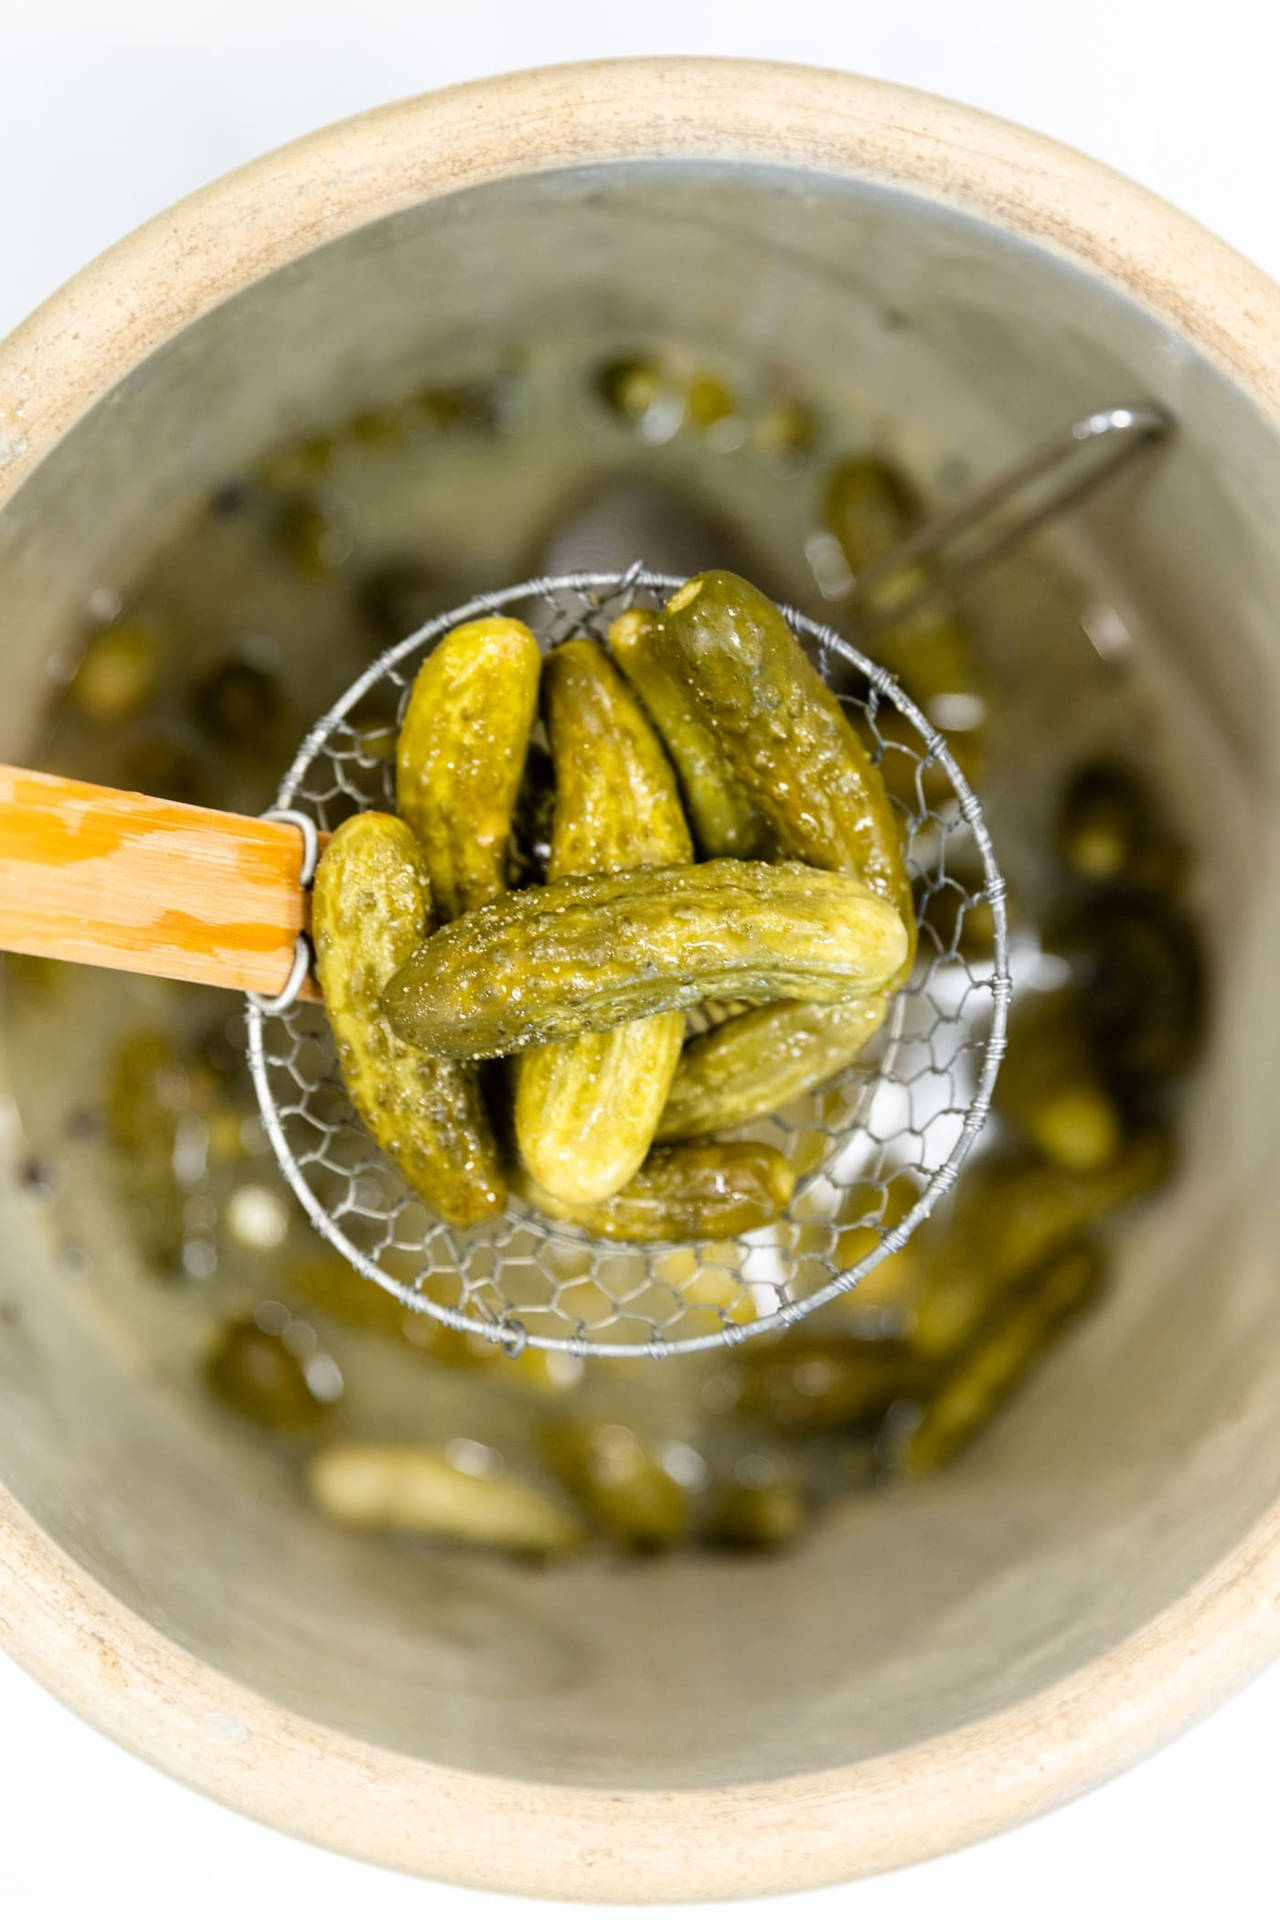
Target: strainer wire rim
(510, 1333)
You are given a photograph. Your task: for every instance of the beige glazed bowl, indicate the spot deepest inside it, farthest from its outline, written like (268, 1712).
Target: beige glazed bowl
(1105, 1566)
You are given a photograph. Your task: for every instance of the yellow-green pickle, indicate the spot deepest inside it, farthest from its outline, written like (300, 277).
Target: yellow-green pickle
(785, 734)
(792, 747)
(871, 507)
(461, 757)
(254, 1370)
(1010, 1216)
(586, 1110)
(761, 1509)
(371, 905)
(724, 820)
(628, 1494)
(455, 1494)
(758, 1062)
(1050, 1087)
(1004, 1348)
(582, 955)
(710, 1191)
(806, 1384)
(1109, 830)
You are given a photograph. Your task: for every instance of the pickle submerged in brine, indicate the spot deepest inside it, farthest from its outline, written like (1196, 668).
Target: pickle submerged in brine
(1012, 1339)
(461, 755)
(409, 1489)
(586, 1109)
(870, 509)
(760, 1061)
(724, 820)
(627, 1492)
(1137, 961)
(581, 955)
(1109, 830)
(713, 1191)
(1010, 1217)
(1049, 1085)
(370, 908)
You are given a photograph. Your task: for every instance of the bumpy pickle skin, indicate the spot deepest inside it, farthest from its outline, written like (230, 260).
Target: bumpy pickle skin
(586, 1110)
(408, 1489)
(791, 746)
(785, 735)
(461, 755)
(760, 1061)
(725, 823)
(713, 1191)
(582, 955)
(370, 907)
(1011, 1341)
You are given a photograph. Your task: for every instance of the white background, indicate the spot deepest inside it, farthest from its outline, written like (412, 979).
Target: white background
(108, 112)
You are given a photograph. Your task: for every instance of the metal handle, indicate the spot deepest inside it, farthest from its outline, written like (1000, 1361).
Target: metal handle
(1090, 451)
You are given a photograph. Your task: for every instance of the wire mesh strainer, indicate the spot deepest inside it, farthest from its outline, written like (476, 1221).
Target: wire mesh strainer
(872, 1152)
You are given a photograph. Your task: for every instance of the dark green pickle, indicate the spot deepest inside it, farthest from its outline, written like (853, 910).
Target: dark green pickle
(397, 597)
(1011, 1215)
(1111, 831)
(1003, 1350)
(708, 1190)
(311, 534)
(1136, 960)
(1050, 1086)
(761, 1509)
(255, 1372)
(628, 1494)
(805, 1384)
(239, 704)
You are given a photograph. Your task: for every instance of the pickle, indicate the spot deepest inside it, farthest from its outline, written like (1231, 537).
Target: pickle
(810, 1384)
(370, 907)
(584, 954)
(761, 1060)
(256, 1373)
(410, 1489)
(1009, 1218)
(240, 704)
(724, 821)
(118, 672)
(715, 1191)
(1137, 962)
(1108, 830)
(1050, 1088)
(1007, 1345)
(785, 736)
(870, 508)
(461, 755)
(760, 1510)
(586, 1109)
(629, 1495)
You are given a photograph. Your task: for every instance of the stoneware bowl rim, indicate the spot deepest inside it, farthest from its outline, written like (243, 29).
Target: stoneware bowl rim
(146, 1691)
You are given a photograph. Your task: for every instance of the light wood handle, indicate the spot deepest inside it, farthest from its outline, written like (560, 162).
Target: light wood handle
(151, 886)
